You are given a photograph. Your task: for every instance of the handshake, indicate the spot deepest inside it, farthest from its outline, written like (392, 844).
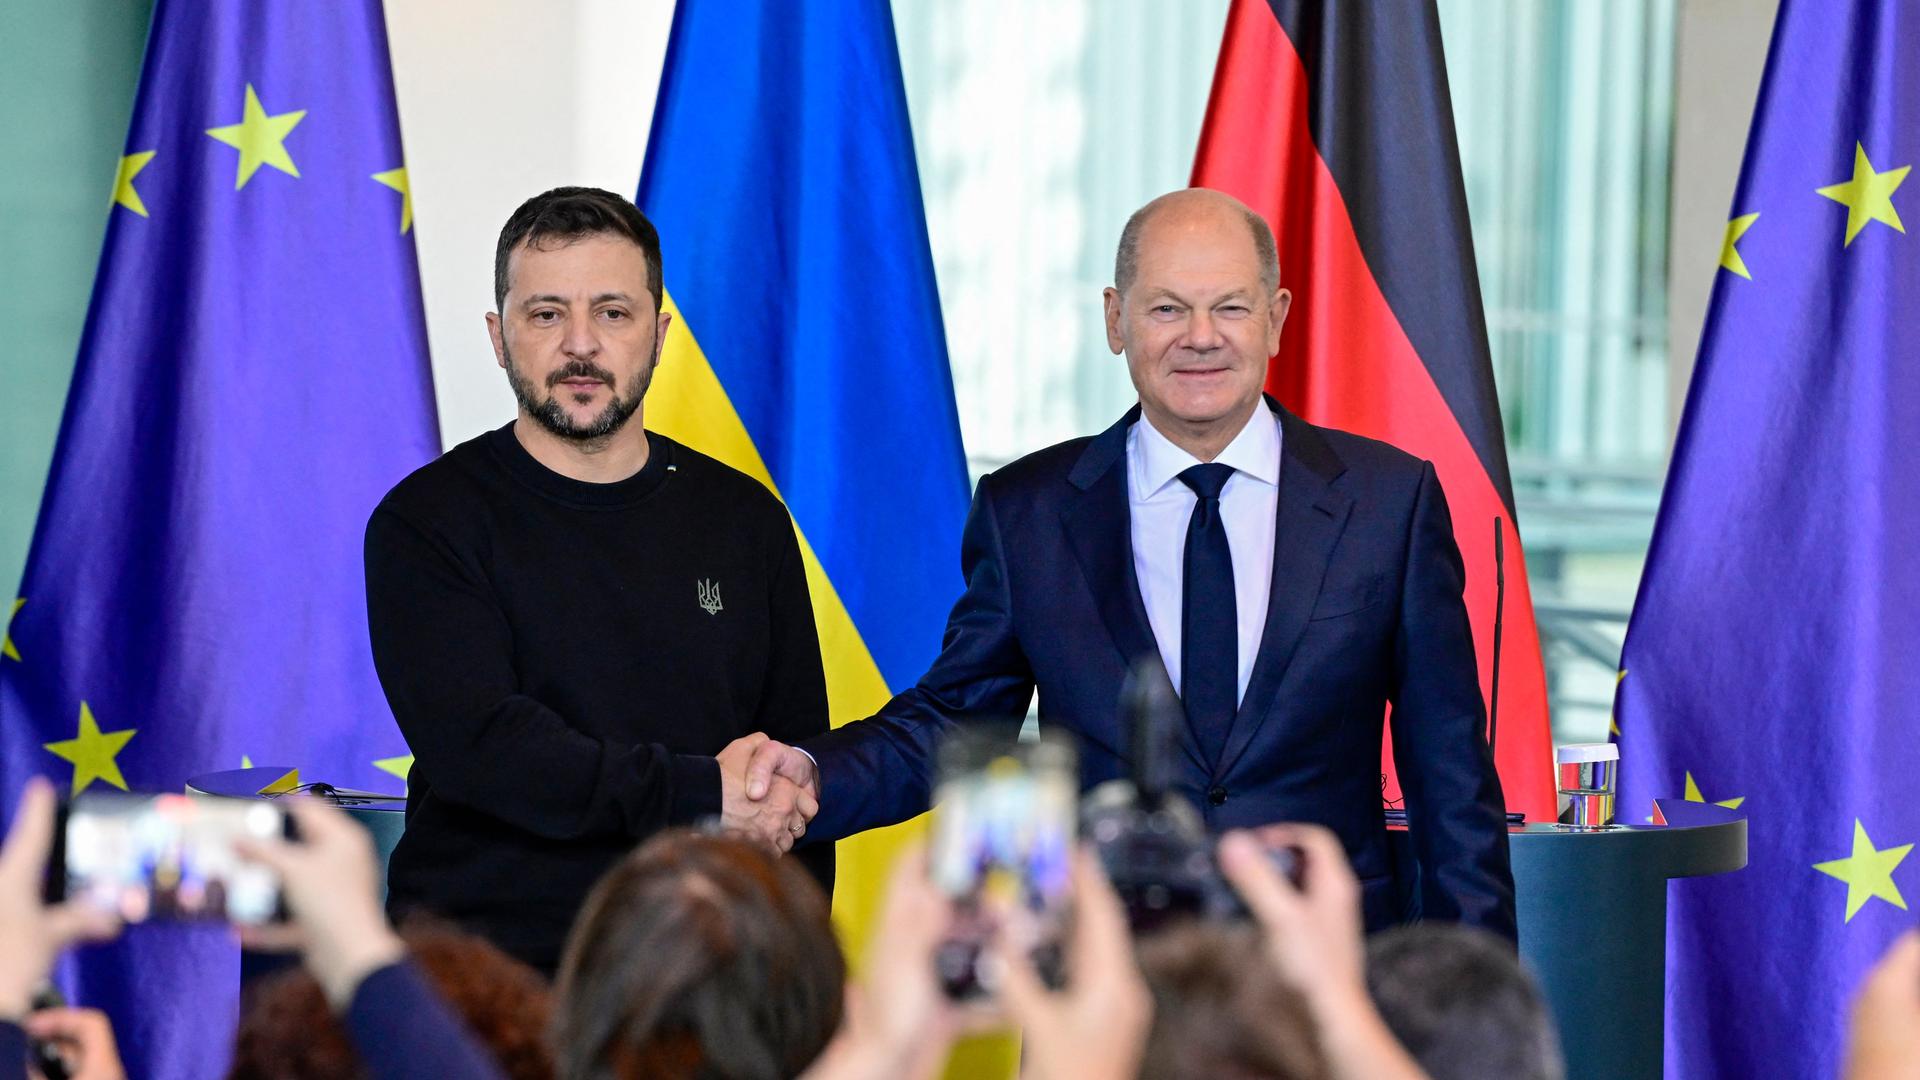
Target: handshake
(769, 791)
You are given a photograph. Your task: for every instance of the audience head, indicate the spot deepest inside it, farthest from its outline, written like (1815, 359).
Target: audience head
(699, 956)
(289, 1030)
(1221, 1009)
(1459, 1001)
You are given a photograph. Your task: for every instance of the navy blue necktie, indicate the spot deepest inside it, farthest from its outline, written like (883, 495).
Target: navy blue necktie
(1209, 624)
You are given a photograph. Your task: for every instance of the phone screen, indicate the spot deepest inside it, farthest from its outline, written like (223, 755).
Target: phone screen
(1003, 836)
(152, 857)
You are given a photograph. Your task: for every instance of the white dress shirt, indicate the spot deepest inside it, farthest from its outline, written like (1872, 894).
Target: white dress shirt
(1161, 506)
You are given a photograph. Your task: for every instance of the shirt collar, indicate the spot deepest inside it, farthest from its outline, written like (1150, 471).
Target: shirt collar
(1255, 451)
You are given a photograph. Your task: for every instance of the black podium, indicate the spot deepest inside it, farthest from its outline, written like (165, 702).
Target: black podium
(384, 818)
(1593, 927)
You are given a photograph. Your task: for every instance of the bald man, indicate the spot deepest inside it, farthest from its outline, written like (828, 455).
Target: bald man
(1294, 580)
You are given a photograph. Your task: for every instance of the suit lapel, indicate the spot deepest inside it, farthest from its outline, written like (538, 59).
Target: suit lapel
(1099, 528)
(1308, 521)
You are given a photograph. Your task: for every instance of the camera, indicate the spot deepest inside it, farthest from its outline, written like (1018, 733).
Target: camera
(167, 857)
(1002, 852)
(1154, 845)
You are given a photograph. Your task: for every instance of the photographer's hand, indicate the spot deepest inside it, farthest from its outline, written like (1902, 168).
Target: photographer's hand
(1884, 1043)
(84, 1038)
(898, 1023)
(1096, 1028)
(31, 933)
(331, 884)
(1315, 937)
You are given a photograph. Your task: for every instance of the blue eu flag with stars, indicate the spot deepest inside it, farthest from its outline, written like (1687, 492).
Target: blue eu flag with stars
(252, 378)
(1773, 659)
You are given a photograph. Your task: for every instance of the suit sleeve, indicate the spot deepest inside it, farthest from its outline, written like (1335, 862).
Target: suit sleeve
(13, 1051)
(444, 653)
(402, 1028)
(880, 770)
(1455, 809)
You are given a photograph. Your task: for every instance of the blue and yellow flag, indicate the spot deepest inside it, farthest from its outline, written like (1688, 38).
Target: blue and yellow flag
(252, 379)
(807, 348)
(1773, 660)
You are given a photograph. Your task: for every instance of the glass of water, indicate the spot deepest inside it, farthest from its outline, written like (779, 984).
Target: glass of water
(1588, 774)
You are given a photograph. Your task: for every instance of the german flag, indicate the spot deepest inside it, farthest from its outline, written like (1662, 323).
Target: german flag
(1333, 121)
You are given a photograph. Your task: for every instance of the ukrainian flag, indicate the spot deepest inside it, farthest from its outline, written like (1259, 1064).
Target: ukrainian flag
(807, 348)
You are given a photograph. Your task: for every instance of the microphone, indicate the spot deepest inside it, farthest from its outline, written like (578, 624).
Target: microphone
(1499, 612)
(1154, 715)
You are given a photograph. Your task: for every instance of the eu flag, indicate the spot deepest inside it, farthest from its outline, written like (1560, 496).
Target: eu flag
(1773, 659)
(252, 378)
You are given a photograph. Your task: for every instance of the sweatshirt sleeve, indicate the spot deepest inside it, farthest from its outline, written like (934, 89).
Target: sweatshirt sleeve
(401, 1028)
(444, 653)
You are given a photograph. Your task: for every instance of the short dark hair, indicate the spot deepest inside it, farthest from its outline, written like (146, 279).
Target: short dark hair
(1221, 1008)
(1126, 259)
(1457, 998)
(566, 214)
(699, 956)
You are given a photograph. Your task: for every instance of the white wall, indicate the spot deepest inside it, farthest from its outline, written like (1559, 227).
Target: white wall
(501, 100)
(1038, 129)
(1722, 51)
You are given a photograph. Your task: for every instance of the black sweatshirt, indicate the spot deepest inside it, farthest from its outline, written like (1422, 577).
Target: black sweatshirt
(565, 658)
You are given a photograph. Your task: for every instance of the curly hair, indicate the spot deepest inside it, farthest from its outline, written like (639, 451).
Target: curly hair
(288, 1032)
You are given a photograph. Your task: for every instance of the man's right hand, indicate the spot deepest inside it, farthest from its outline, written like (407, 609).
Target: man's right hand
(779, 815)
(773, 759)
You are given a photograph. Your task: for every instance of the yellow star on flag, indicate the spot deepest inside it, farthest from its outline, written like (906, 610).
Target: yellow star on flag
(1868, 196)
(6, 639)
(289, 782)
(92, 752)
(1868, 872)
(396, 766)
(1729, 255)
(397, 180)
(124, 193)
(1693, 795)
(261, 139)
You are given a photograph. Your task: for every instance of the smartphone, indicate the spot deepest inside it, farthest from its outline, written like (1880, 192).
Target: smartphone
(167, 857)
(1005, 819)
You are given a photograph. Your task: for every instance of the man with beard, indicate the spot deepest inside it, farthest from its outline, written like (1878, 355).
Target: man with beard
(580, 624)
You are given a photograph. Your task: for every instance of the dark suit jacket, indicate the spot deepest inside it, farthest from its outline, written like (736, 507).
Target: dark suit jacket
(1365, 610)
